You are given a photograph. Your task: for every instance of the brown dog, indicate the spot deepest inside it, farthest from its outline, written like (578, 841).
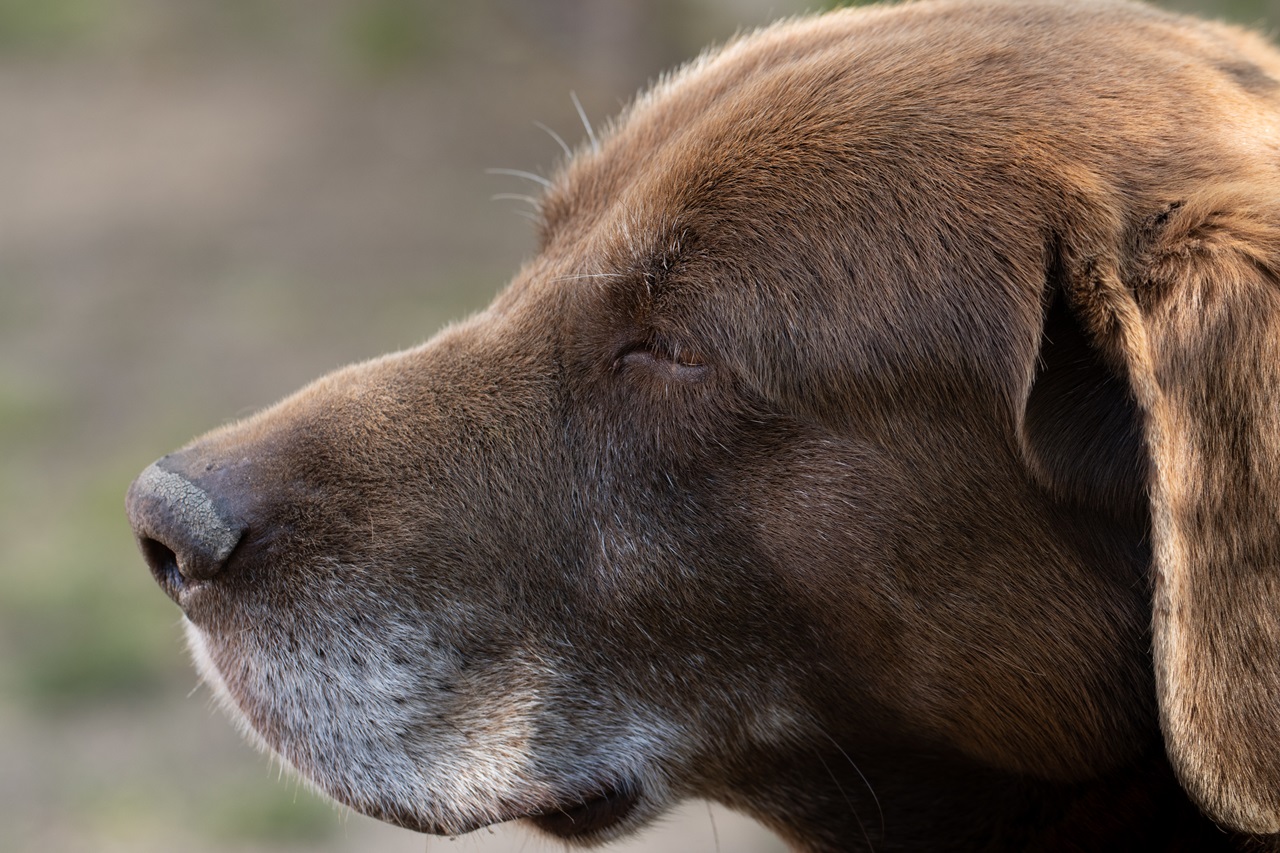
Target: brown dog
(885, 443)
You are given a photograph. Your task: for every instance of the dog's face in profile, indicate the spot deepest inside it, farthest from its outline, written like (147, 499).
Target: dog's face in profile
(883, 442)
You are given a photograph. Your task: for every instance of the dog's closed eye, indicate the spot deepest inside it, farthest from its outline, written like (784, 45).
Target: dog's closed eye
(666, 359)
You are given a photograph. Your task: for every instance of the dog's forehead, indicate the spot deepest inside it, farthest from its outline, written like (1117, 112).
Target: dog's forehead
(791, 137)
(927, 145)
(792, 158)
(719, 143)
(927, 94)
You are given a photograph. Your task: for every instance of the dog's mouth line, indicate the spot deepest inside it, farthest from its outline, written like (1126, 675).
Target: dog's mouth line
(589, 814)
(574, 817)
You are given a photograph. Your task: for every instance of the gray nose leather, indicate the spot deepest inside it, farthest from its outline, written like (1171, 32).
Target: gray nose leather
(170, 509)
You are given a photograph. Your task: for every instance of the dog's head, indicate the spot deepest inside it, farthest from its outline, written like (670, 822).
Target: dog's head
(886, 387)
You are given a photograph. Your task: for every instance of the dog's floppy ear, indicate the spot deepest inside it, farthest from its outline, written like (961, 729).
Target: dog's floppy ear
(1159, 391)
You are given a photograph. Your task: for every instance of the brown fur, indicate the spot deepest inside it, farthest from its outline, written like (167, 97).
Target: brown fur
(884, 442)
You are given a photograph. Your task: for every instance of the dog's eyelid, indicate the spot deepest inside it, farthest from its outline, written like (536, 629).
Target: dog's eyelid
(672, 362)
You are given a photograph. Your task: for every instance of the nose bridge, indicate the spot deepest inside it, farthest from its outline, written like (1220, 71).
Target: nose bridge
(294, 476)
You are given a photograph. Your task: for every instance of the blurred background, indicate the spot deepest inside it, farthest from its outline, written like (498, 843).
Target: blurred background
(204, 204)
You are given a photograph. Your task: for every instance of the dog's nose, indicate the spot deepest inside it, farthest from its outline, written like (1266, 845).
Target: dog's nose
(184, 535)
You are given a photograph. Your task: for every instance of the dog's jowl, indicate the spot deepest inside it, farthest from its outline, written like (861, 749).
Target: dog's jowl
(884, 442)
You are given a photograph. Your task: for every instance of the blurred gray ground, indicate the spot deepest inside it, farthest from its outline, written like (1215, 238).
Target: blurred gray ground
(203, 204)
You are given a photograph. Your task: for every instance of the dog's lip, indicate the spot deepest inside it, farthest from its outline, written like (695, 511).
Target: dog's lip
(188, 595)
(589, 814)
(596, 810)
(183, 591)
(203, 604)
(415, 824)
(577, 817)
(180, 590)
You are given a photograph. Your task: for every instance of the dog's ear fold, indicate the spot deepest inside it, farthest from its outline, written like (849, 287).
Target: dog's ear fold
(1081, 428)
(1159, 391)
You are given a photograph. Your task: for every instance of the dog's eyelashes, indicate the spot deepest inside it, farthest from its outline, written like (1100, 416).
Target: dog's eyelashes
(671, 363)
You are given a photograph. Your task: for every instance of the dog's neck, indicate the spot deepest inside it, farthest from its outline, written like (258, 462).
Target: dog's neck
(902, 802)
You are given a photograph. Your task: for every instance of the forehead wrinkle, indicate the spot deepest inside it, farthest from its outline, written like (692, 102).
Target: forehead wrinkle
(633, 238)
(734, 174)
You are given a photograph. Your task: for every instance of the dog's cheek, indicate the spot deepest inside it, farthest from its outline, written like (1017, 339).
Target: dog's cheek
(916, 590)
(676, 607)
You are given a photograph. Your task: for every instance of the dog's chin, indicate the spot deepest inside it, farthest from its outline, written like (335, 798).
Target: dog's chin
(584, 812)
(589, 819)
(586, 820)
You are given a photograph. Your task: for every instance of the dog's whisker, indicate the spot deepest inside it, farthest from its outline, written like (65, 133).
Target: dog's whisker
(564, 146)
(715, 834)
(861, 776)
(853, 810)
(586, 123)
(527, 199)
(521, 173)
(584, 276)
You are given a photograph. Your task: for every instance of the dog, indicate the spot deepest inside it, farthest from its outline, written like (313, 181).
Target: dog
(884, 442)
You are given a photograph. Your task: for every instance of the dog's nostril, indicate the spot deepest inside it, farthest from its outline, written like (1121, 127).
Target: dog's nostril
(162, 562)
(184, 536)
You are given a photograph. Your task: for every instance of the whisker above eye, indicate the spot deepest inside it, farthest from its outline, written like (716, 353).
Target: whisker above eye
(521, 173)
(582, 114)
(527, 199)
(582, 276)
(564, 146)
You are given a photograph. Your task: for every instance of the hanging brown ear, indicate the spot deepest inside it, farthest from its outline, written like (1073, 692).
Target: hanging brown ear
(1184, 324)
